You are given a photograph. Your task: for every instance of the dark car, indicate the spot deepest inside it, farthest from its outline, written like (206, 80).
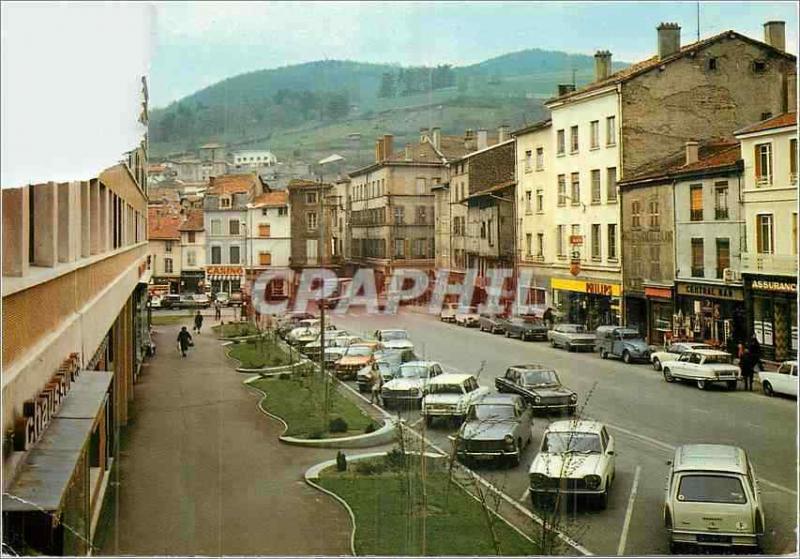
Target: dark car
(387, 362)
(491, 323)
(497, 427)
(539, 386)
(524, 329)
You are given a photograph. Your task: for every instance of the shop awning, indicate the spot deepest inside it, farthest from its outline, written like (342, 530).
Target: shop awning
(44, 477)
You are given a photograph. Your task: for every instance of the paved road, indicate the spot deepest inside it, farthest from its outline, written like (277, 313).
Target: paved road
(203, 473)
(647, 417)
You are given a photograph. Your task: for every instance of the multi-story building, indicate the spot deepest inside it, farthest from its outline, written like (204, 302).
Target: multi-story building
(193, 251)
(307, 226)
(621, 123)
(269, 237)
(769, 258)
(392, 203)
(253, 159)
(163, 232)
(75, 273)
(339, 203)
(225, 223)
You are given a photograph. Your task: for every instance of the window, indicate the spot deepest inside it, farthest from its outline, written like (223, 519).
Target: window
(311, 220)
(263, 229)
(594, 134)
(611, 185)
(611, 131)
(711, 63)
(216, 227)
(794, 233)
(560, 142)
(696, 202)
(723, 255)
(234, 254)
(539, 200)
(561, 237)
(167, 246)
(636, 210)
(399, 215)
(595, 186)
(483, 229)
(612, 241)
(265, 259)
(540, 245)
(793, 160)
(721, 200)
(562, 190)
(655, 217)
(573, 139)
(763, 160)
(528, 244)
(312, 249)
(190, 237)
(697, 258)
(168, 265)
(596, 241)
(191, 258)
(419, 248)
(489, 229)
(311, 197)
(576, 189)
(759, 66)
(421, 184)
(421, 215)
(399, 248)
(539, 159)
(764, 234)
(234, 226)
(527, 201)
(283, 211)
(528, 161)
(216, 255)
(225, 202)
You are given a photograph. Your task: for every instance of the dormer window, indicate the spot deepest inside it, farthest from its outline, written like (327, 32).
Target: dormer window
(225, 202)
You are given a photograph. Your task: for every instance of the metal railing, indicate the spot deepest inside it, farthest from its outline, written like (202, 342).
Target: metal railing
(721, 213)
(696, 215)
(771, 263)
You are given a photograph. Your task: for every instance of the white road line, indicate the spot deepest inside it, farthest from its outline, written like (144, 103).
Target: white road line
(417, 422)
(777, 486)
(623, 538)
(525, 494)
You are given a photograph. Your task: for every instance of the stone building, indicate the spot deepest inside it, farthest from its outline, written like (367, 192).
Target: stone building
(193, 251)
(308, 247)
(166, 259)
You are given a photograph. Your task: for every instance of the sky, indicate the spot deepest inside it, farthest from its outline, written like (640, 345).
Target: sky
(200, 43)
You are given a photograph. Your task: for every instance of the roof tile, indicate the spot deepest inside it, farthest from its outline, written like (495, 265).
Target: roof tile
(780, 121)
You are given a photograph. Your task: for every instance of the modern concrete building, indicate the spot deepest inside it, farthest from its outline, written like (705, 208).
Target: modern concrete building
(253, 159)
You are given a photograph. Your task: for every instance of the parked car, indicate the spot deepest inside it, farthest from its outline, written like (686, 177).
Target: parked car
(704, 367)
(625, 343)
(155, 301)
(571, 336)
(524, 328)
(576, 458)
(539, 386)
(712, 498)
(236, 299)
(222, 298)
(449, 396)
(171, 301)
(782, 381)
(289, 321)
(355, 358)
(408, 383)
(448, 312)
(201, 300)
(302, 335)
(490, 323)
(497, 427)
(673, 351)
(393, 339)
(467, 317)
(386, 363)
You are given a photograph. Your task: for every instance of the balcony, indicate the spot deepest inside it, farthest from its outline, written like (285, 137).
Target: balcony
(696, 215)
(763, 180)
(698, 272)
(721, 213)
(753, 262)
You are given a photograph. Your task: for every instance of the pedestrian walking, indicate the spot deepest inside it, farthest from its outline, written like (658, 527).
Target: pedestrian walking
(755, 350)
(377, 384)
(198, 322)
(747, 368)
(217, 311)
(184, 341)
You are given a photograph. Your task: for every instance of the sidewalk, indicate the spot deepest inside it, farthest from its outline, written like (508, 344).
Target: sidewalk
(202, 471)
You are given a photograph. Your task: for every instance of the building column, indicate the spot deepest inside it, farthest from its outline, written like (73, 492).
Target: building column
(69, 221)
(16, 224)
(95, 244)
(45, 225)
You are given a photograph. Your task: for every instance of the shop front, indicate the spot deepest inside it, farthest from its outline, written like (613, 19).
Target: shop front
(710, 313)
(592, 303)
(771, 305)
(636, 311)
(659, 313)
(225, 279)
(192, 281)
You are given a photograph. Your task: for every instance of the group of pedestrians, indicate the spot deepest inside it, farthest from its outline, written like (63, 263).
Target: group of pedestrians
(749, 359)
(185, 340)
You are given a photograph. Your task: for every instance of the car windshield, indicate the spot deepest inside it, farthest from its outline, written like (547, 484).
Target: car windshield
(539, 378)
(630, 335)
(491, 411)
(412, 371)
(445, 389)
(711, 489)
(700, 346)
(470, 310)
(717, 360)
(390, 335)
(358, 351)
(385, 367)
(573, 328)
(583, 443)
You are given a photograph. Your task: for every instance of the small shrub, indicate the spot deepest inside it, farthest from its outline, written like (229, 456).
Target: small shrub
(341, 461)
(370, 428)
(251, 342)
(337, 425)
(369, 468)
(315, 435)
(284, 376)
(395, 459)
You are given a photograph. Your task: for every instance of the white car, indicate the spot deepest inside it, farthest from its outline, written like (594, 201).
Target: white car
(704, 367)
(782, 381)
(393, 339)
(448, 313)
(155, 302)
(712, 498)
(302, 335)
(468, 317)
(409, 382)
(576, 457)
(673, 351)
(449, 396)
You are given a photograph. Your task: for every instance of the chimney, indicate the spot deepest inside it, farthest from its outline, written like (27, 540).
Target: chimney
(469, 140)
(775, 34)
(791, 92)
(669, 39)
(423, 134)
(483, 137)
(437, 137)
(388, 145)
(602, 65)
(378, 150)
(502, 133)
(564, 88)
(692, 152)
(407, 154)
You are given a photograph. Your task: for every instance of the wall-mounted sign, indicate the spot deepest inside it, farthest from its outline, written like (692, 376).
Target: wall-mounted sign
(714, 291)
(592, 287)
(576, 239)
(778, 286)
(658, 292)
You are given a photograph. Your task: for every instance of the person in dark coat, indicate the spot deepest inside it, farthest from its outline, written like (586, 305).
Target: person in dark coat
(198, 322)
(184, 340)
(747, 368)
(755, 350)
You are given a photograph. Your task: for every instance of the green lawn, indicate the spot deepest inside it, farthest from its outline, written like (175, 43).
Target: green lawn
(235, 329)
(298, 400)
(255, 354)
(389, 522)
(166, 320)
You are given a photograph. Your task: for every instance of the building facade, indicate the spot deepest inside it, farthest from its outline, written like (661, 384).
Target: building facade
(309, 248)
(253, 159)
(193, 251)
(269, 238)
(166, 257)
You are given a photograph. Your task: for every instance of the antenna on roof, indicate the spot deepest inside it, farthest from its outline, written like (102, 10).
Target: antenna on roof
(698, 20)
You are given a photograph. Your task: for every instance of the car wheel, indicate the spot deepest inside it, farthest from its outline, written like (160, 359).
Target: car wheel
(701, 384)
(516, 459)
(602, 499)
(731, 384)
(571, 410)
(656, 364)
(626, 357)
(552, 343)
(668, 376)
(675, 548)
(603, 354)
(508, 334)
(767, 388)
(568, 347)
(428, 420)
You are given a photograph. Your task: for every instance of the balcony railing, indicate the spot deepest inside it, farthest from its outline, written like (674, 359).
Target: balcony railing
(763, 180)
(698, 272)
(696, 215)
(769, 263)
(721, 213)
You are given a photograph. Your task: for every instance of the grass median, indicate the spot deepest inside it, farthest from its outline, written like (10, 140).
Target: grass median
(259, 353)
(170, 319)
(235, 329)
(387, 500)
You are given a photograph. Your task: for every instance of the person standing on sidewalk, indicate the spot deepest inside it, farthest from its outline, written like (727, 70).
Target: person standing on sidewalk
(755, 350)
(377, 384)
(198, 322)
(747, 366)
(217, 311)
(184, 340)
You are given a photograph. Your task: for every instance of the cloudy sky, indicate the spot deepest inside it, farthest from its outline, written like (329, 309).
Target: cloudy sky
(200, 43)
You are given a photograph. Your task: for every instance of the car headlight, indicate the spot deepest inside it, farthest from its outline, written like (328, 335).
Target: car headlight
(509, 440)
(538, 480)
(573, 398)
(592, 481)
(416, 391)
(537, 399)
(716, 374)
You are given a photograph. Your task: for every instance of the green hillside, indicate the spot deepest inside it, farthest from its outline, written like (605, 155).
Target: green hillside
(312, 109)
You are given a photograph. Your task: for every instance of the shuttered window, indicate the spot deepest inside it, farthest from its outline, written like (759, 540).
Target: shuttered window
(696, 201)
(265, 258)
(764, 234)
(263, 229)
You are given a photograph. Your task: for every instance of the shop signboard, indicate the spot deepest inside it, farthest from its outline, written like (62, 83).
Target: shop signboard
(713, 291)
(591, 287)
(787, 286)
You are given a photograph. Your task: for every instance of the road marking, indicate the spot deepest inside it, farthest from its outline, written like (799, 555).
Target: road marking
(525, 494)
(417, 422)
(777, 486)
(623, 538)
